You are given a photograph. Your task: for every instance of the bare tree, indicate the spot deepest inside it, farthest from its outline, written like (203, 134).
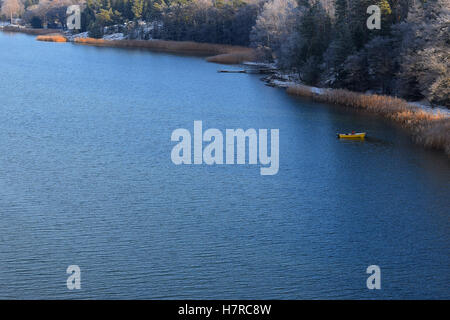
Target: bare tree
(11, 7)
(424, 56)
(50, 10)
(274, 24)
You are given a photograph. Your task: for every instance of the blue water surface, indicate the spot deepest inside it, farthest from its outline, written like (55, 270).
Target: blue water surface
(87, 179)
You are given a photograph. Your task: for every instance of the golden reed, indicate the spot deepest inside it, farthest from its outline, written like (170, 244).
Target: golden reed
(52, 38)
(221, 53)
(432, 130)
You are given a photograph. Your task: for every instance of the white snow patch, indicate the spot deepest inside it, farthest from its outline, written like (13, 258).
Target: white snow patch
(317, 90)
(260, 64)
(282, 83)
(78, 35)
(114, 36)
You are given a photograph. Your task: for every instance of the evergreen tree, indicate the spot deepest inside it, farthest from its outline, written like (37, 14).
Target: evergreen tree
(138, 7)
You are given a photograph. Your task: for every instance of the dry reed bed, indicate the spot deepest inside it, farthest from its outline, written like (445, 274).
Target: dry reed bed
(52, 38)
(222, 53)
(432, 130)
(234, 57)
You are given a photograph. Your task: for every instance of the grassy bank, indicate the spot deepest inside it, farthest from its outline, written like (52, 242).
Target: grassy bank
(235, 57)
(29, 30)
(220, 53)
(431, 130)
(52, 38)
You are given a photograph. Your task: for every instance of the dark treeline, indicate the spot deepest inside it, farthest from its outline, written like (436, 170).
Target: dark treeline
(225, 22)
(325, 42)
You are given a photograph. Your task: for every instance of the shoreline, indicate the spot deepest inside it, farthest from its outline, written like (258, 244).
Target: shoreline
(214, 52)
(428, 126)
(285, 81)
(30, 31)
(219, 53)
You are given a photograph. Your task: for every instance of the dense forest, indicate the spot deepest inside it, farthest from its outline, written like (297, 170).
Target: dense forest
(325, 42)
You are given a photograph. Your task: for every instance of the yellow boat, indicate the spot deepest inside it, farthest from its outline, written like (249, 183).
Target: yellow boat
(359, 135)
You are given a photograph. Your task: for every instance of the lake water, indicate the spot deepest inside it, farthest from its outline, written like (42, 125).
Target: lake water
(87, 179)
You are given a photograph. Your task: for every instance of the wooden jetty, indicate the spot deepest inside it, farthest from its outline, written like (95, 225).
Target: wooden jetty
(257, 70)
(232, 71)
